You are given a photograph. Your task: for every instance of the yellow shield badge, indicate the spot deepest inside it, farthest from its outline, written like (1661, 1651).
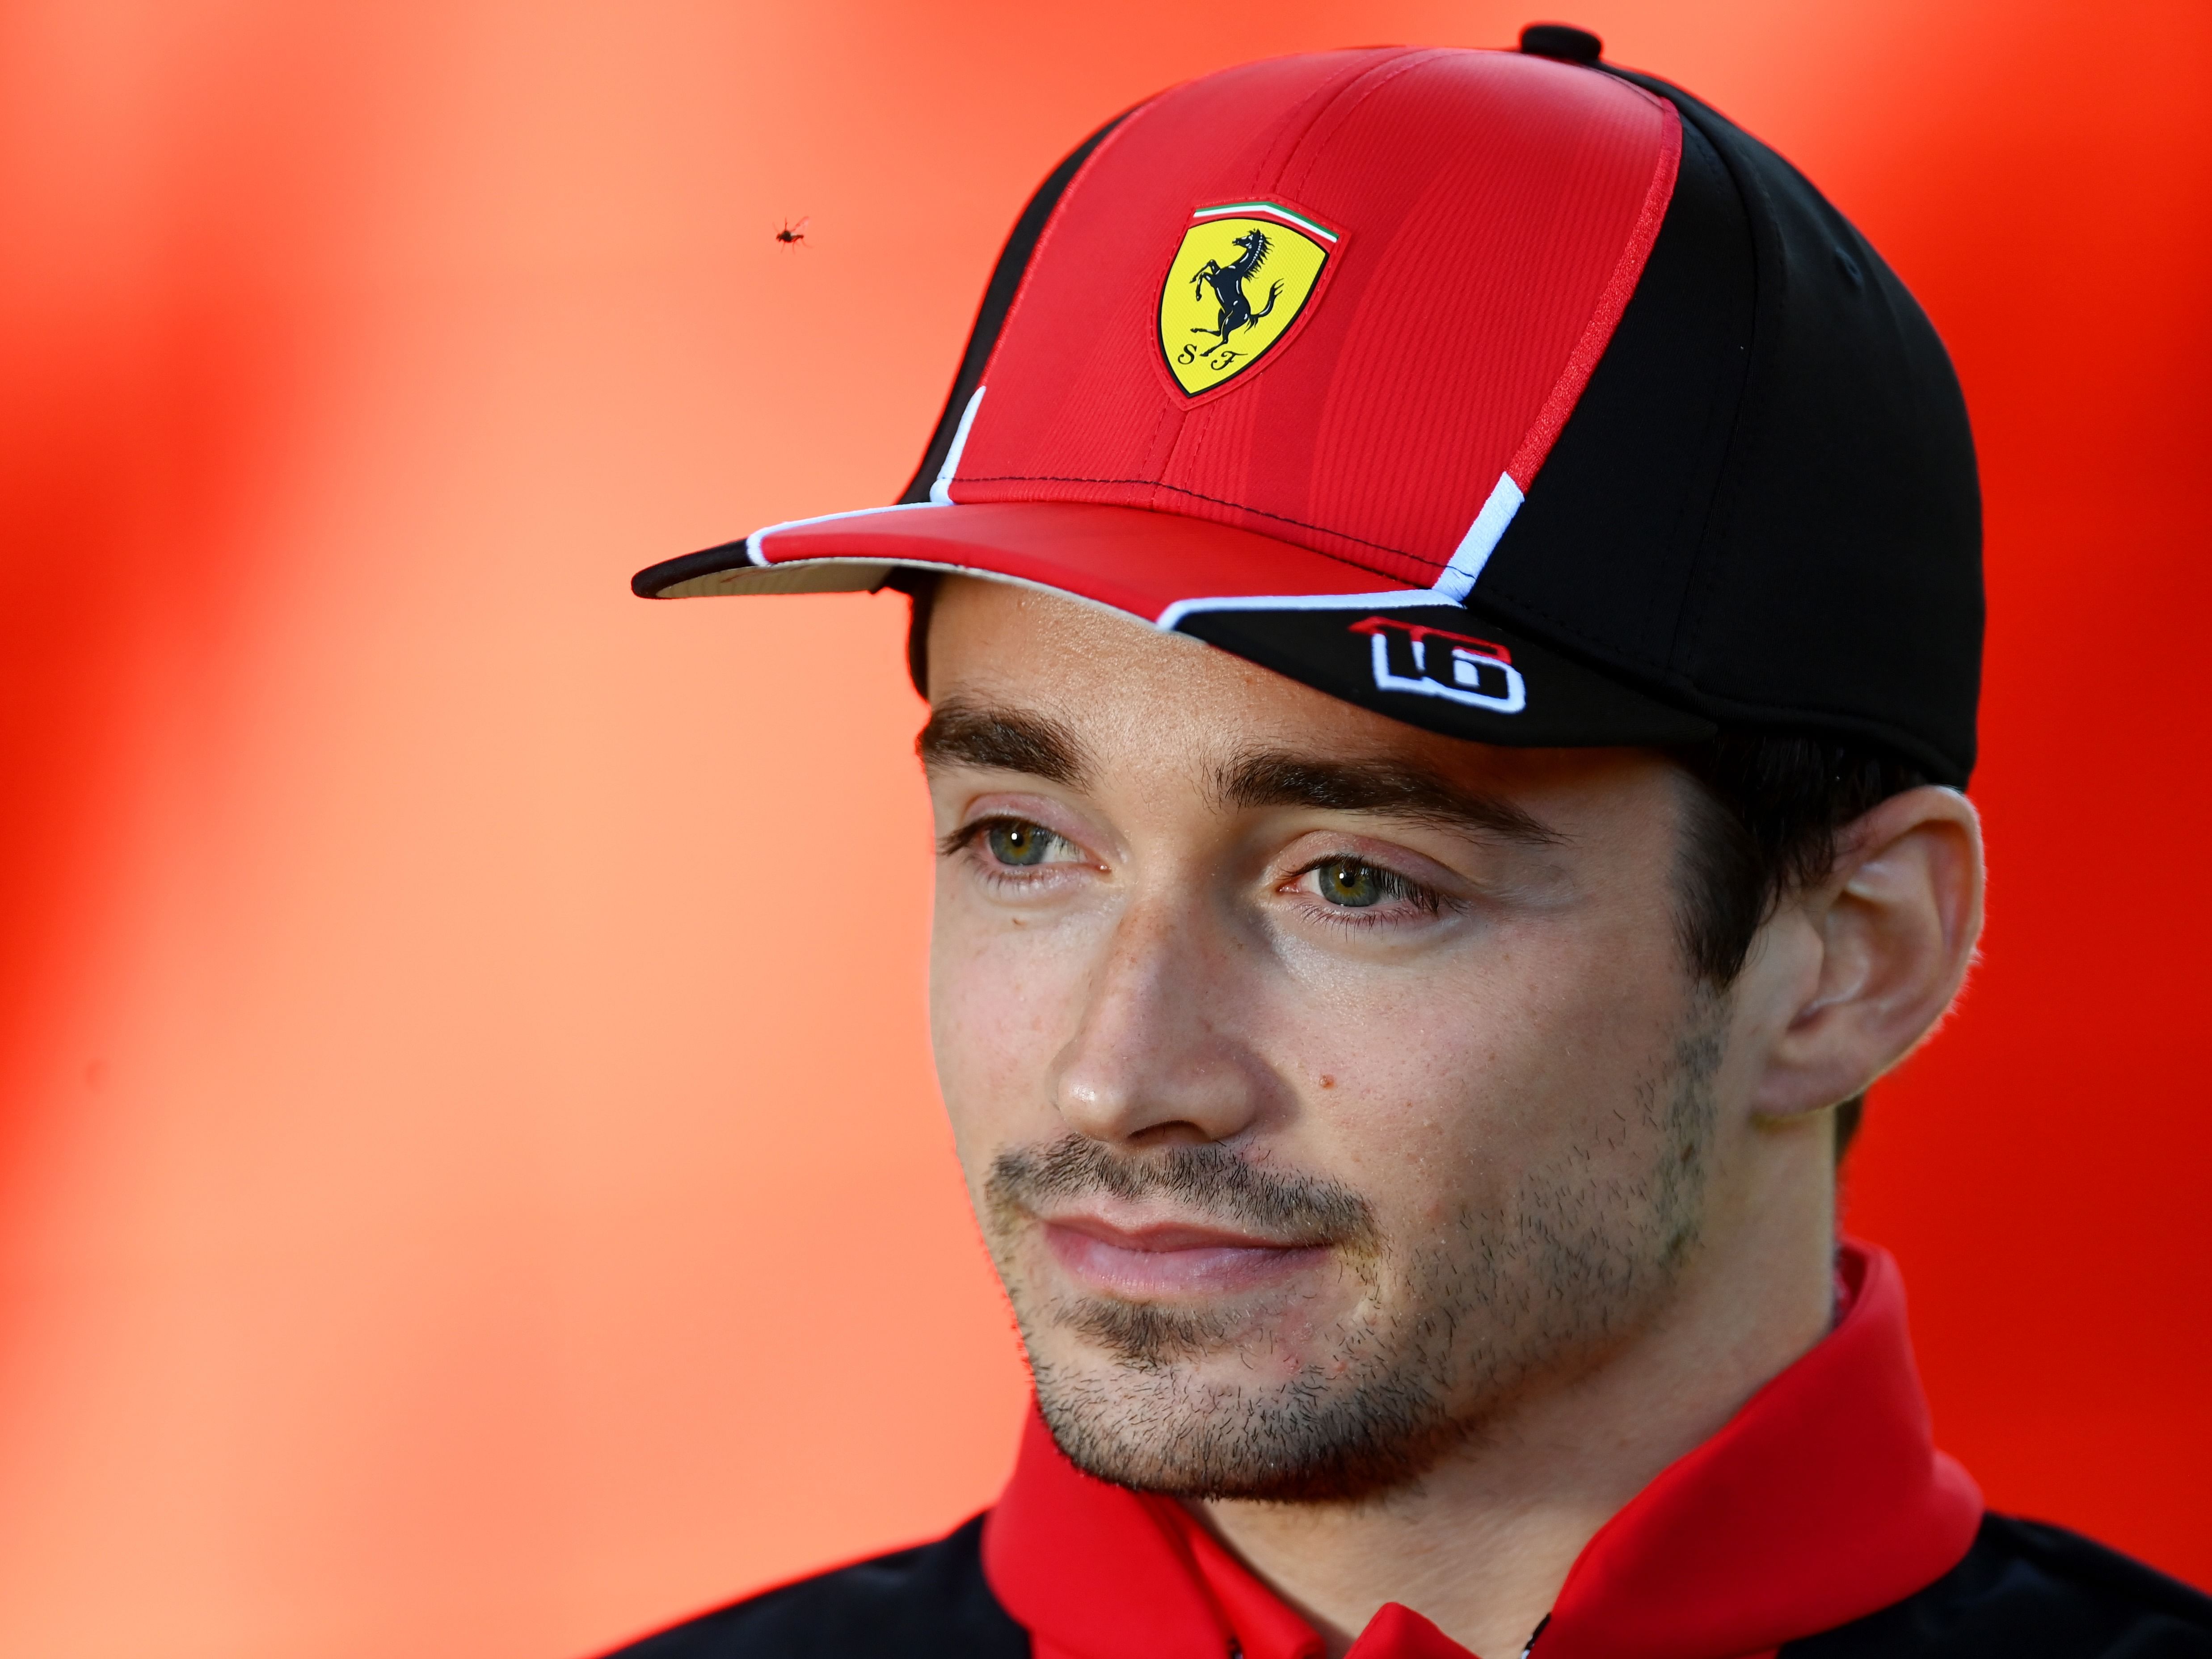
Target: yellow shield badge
(1238, 282)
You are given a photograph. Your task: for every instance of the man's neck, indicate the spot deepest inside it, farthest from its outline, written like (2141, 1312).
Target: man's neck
(1482, 1543)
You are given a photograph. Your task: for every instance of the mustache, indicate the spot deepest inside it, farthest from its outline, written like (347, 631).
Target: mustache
(1208, 1178)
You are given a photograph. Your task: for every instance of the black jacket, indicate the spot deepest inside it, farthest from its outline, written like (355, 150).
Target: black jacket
(2024, 1591)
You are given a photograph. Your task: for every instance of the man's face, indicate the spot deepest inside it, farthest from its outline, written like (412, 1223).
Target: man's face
(1323, 1085)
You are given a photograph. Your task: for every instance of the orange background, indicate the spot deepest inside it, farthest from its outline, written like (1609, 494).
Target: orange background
(471, 1182)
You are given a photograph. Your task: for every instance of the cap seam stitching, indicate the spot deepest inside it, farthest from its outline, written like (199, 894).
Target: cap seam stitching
(1120, 131)
(1168, 412)
(1693, 519)
(1693, 627)
(1358, 91)
(1322, 98)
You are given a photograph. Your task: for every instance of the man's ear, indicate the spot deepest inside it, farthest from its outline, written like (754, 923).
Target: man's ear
(1896, 923)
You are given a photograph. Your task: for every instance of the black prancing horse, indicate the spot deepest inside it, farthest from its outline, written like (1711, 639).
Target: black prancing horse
(1227, 282)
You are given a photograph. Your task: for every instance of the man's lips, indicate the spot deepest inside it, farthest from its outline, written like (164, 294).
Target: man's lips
(1171, 1259)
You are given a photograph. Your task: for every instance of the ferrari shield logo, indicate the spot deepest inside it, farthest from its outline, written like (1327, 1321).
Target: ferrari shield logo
(1243, 273)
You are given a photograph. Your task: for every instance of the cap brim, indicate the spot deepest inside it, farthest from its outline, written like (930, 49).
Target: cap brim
(1415, 654)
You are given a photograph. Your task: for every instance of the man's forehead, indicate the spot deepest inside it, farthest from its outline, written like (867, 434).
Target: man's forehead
(1046, 688)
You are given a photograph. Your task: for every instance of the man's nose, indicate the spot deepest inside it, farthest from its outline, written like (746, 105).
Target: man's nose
(1159, 1054)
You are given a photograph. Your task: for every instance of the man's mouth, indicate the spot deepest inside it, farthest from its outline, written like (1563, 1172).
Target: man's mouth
(1168, 1258)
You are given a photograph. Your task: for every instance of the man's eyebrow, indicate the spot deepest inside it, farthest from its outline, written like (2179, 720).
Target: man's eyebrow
(1393, 789)
(962, 733)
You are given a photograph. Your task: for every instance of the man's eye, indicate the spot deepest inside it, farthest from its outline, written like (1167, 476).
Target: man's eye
(1348, 882)
(1011, 842)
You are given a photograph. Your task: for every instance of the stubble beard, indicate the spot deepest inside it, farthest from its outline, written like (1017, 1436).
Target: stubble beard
(1440, 1342)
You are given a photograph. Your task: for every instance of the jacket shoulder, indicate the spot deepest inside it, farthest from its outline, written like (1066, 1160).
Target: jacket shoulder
(2026, 1590)
(930, 1602)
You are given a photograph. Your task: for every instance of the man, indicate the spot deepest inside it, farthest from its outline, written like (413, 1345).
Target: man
(1448, 592)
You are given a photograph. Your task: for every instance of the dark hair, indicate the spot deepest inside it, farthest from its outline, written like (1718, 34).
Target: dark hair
(1767, 811)
(920, 588)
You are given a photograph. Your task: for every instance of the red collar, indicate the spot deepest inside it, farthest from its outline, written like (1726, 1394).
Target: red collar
(1821, 1500)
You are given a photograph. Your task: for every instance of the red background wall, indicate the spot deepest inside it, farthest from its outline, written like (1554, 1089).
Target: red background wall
(470, 1176)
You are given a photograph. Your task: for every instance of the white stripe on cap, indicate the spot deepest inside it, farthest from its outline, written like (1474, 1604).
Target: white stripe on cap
(941, 491)
(753, 541)
(1480, 541)
(1452, 588)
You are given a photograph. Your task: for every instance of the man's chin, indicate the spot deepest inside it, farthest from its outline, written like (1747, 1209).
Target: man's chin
(1163, 1408)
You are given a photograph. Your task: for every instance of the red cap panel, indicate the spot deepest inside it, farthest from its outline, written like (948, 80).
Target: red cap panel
(1484, 217)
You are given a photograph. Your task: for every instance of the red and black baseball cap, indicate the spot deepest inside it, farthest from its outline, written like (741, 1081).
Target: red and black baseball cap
(1512, 394)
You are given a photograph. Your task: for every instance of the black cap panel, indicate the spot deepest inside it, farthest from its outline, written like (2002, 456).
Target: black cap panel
(1447, 670)
(1765, 505)
(1628, 489)
(1844, 573)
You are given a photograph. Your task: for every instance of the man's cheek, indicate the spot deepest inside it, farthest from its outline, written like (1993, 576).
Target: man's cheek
(998, 1007)
(1438, 1112)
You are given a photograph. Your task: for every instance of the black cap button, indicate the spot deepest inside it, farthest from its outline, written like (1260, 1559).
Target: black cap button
(1563, 41)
